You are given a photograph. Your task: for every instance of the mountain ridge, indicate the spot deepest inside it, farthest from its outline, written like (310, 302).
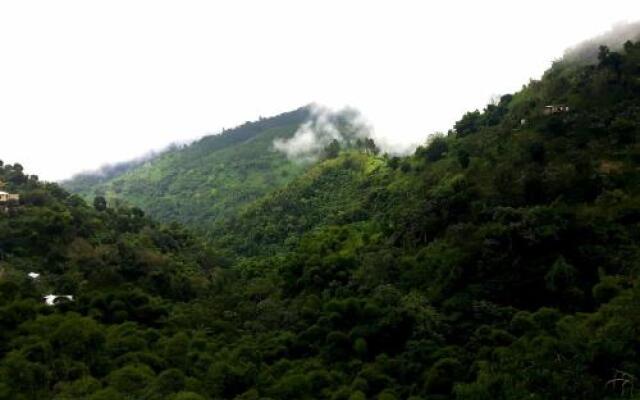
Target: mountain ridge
(158, 184)
(499, 261)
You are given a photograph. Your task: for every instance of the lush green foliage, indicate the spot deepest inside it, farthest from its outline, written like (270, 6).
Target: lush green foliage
(198, 183)
(498, 262)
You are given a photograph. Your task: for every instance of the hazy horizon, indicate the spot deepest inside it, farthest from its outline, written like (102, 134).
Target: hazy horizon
(85, 84)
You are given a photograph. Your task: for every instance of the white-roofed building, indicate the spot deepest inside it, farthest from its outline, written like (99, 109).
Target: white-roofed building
(54, 299)
(555, 109)
(6, 197)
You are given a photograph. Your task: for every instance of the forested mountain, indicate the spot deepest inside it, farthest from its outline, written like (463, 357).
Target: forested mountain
(198, 183)
(500, 261)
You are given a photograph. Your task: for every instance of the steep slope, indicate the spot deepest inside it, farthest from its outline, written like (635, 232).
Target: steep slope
(198, 183)
(124, 273)
(497, 262)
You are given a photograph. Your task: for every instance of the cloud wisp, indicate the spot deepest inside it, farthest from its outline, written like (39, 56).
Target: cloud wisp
(325, 125)
(587, 52)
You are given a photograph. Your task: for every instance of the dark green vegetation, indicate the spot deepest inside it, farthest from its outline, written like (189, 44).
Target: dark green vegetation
(499, 261)
(199, 183)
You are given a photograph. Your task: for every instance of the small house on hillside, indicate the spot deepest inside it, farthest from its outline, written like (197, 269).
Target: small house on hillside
(54, 299)
(555, 109)
(7, 197)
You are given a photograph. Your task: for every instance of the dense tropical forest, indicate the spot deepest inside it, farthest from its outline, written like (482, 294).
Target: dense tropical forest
(499, 261)
(198, 183)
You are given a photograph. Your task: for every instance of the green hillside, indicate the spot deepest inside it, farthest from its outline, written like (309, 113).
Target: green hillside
(198, 183)
(125, 272)
(500, 261)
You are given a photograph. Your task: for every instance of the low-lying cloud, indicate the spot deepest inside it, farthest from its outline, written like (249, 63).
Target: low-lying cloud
(108, 171)
(587, 52)
(324, 126)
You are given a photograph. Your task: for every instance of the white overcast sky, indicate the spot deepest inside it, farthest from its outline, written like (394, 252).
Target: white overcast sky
(84, 83)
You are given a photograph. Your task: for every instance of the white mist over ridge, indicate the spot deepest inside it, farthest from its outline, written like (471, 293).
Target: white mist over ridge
(322, 128)
(111, 169)
(587, 51)
(344, 125)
